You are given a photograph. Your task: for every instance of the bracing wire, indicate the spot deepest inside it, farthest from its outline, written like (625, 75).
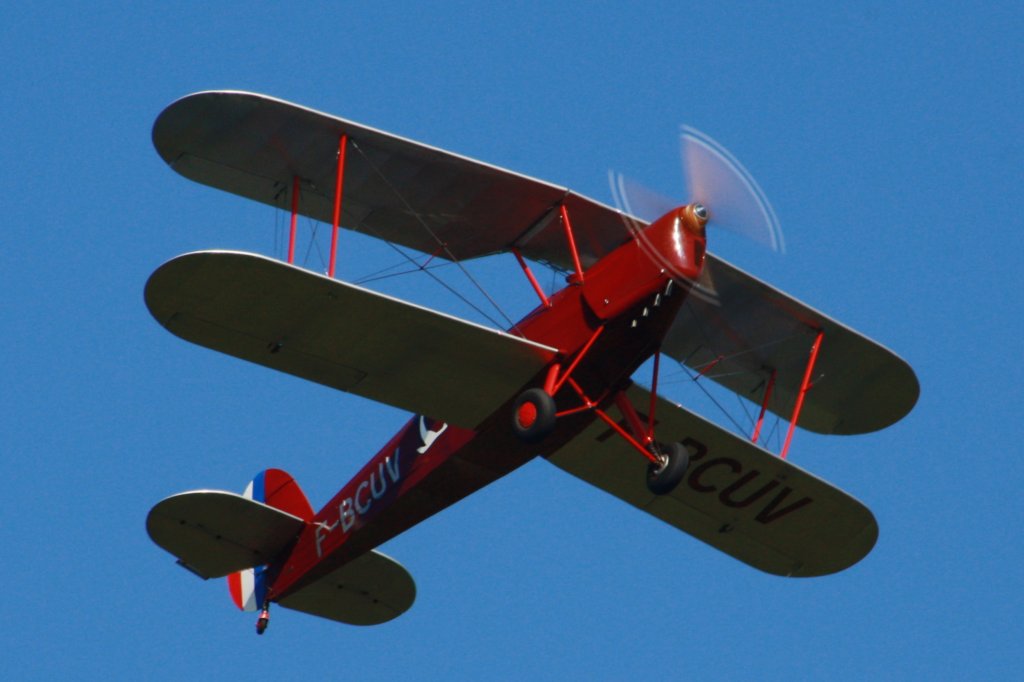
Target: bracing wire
(694, 379)
(314, 228)
(390, 271)
(724, 360)
(443, 247)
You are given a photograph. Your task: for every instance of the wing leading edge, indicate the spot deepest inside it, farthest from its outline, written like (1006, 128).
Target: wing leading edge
(735, 497)
(341, 335)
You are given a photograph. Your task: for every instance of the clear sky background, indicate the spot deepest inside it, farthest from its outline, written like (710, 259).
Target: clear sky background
(889, 140)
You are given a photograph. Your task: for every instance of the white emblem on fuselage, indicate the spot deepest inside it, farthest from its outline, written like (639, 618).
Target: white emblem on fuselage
(427, 435)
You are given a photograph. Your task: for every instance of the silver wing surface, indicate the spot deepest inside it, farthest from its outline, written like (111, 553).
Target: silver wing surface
(735, 497)
(395, 189)
(430, 199)
(340, 335)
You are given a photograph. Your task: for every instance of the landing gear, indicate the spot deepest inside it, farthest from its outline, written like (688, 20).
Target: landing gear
(263, 620)
(533, 416)
(664, 475)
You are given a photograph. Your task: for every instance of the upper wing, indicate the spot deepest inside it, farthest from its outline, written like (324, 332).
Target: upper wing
(750, 329)
(736, 496)
(395, 189)
(340, 335)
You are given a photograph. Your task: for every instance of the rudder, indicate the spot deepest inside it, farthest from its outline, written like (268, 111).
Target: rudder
(275, 488)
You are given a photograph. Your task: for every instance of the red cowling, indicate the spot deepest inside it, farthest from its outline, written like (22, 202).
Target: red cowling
(672, 247)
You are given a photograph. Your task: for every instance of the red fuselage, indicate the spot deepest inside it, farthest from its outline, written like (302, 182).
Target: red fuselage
(617, 312)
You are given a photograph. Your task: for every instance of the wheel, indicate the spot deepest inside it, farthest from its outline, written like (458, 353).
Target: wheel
(663, 477)
(533, 416)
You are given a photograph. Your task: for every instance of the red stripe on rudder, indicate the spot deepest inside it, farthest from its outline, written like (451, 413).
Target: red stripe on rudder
(282, 492)
(235, 587)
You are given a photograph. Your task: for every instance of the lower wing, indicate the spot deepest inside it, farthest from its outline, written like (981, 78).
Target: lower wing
(736, 496)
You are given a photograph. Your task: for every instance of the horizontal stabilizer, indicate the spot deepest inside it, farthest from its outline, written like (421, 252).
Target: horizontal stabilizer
(735, 496)
(343, 336)
(369, 590)
(214, 533)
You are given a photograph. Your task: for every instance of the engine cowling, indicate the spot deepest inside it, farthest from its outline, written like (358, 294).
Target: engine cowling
(672, 247)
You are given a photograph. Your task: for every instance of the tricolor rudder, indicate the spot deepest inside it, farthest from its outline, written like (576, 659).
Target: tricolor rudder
(275, 488)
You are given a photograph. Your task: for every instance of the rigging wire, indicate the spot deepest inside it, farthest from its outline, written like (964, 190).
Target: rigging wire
(385, 273)
(422, 267)
(776, 433)
(443, 247)
(694, 378)
(315, 226)
(721, 359)
(277, 232)
(418, 266)
(277, 226)
(746, 411)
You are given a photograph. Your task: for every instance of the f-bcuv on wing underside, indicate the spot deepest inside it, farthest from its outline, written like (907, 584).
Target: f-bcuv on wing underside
(736, 496)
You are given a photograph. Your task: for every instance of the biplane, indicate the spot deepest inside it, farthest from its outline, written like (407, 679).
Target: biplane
(559, 384)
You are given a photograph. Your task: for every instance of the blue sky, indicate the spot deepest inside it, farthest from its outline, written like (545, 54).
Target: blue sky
(889, 140)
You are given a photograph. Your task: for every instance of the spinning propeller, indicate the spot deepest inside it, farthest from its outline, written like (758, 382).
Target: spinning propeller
(716, 180)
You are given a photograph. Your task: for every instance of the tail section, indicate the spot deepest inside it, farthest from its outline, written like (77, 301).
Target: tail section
(216, 534)
(277, 489)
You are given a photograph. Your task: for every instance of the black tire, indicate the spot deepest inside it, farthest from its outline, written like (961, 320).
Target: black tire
(533, 416)
(663, 478)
